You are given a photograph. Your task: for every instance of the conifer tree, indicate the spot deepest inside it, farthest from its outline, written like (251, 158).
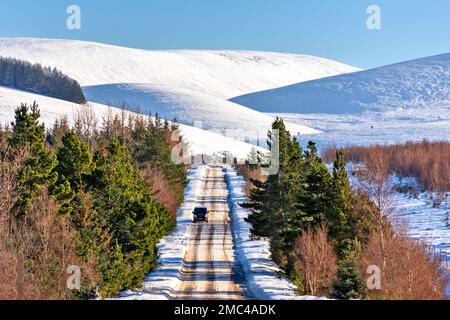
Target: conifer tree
(349, 284)
(341, 228)
(38, 171)
(123, 203)
(74, 160)
(274, 202)
(74, 164)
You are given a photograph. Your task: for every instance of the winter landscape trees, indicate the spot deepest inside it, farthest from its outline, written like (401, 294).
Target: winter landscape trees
(304, 200)
(66, 202)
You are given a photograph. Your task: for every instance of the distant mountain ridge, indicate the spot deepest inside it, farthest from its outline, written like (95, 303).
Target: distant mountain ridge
(420, 83)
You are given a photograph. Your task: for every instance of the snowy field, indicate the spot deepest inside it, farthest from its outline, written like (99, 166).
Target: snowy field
(190, 85)
(391, 127)
(222, 74)
(417, 84)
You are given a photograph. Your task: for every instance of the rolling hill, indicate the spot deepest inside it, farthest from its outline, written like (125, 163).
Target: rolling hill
(190, 85)
(223, 74)
(412, 85)
(199, 141)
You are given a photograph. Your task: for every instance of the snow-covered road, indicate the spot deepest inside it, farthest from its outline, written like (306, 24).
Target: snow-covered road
(209, 269)
(215, 260)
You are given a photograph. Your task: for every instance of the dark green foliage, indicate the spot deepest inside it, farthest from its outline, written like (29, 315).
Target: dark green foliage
(74, 165)
(116, 217)
(151, 144)
(342, 227)
(349, 284)
(302, 195)
(34, 78)
(74, 160)
(123, 203)
(29, 136)
(274, 202)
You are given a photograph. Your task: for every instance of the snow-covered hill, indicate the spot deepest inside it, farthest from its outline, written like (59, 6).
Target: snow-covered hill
(190, 108)
(223, 74)
(191, 86)
(418, 84)
(200, 141)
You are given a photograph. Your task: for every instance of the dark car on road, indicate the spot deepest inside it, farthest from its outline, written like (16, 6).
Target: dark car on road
(200, 214)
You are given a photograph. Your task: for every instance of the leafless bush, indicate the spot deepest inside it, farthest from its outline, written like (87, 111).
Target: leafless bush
(161, 189)
(410, 270)
(315, 261)
(428, 161)
(35, 253)
(249, 172)
(86, 123)
(8, 179)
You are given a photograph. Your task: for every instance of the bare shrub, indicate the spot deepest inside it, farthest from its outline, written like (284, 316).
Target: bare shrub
(35, 253)
(410, 270)
(315, 261)
(86, 123)
(428, 161)
(8, 179)
(249, 172)
(161, 189)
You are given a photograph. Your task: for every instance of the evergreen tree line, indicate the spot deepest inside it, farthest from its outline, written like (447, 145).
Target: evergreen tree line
(94, 183)
(301, 202)
(41, 80)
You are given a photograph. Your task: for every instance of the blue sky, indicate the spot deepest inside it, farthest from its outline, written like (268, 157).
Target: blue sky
(335, 29)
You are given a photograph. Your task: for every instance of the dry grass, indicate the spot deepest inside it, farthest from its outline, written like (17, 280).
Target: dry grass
(428, 161)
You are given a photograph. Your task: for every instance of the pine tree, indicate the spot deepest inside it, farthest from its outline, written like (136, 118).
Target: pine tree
(252, 158)
(314, 199)
(74, 164)
(74, 160)
(341, 228)
(45, 81)
(38, 170)
(348, 284)
(123, 203)
(274, 202)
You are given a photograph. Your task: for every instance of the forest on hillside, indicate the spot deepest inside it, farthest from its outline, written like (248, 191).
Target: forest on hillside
(41, 80)
(81, 197)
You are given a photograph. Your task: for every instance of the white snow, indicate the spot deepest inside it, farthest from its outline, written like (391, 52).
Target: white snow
(261, 273)
(408, 101)
(190, 108)
(422, 83)
(199, 141)
(223, 74)
(190, 85)
(390, 127)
